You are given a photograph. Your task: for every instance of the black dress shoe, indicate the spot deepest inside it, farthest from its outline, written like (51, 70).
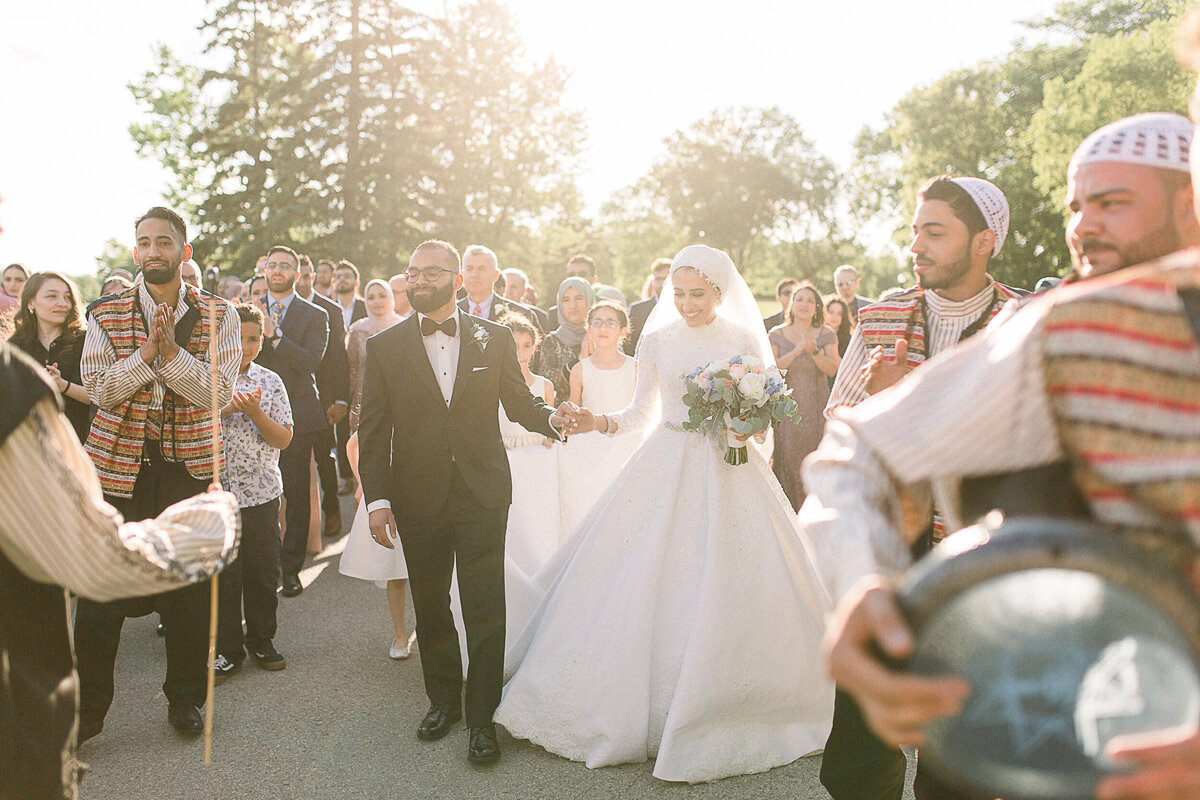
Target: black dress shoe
(88, 728)
(482, 747)
(333, 524)
(437, 722)
(185, 718)
(291, 586)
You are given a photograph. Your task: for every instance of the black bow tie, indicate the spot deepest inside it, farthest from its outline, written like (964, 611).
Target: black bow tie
(429, 327)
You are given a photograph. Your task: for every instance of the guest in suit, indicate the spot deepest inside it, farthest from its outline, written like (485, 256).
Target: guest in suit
(333, 387)
(434, 471)
(323, 281)
(353, 308)
(480, 271)
(783, 294)
(845, 282)
(639, 312)
(295, 335)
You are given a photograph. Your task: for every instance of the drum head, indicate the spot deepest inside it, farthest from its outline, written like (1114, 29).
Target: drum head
(1068, 636)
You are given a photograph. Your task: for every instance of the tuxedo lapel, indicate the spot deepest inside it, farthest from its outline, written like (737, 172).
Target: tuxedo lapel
(424, 370)
(469, 356)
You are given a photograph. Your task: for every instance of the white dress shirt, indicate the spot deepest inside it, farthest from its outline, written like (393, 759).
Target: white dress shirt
(443, 355)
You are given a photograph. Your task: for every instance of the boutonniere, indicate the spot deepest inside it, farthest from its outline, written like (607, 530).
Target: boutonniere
(480, 337)
(501, 309)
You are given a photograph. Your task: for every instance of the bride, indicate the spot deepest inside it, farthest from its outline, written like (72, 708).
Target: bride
(683, 617)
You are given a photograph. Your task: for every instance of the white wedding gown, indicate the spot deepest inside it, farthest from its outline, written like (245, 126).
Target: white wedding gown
(683, 618)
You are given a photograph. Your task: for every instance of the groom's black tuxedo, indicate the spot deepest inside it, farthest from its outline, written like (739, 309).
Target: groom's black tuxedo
(445, 473)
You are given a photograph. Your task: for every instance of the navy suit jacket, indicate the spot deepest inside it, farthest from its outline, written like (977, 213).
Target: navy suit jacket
(639, 312)
(333, 376)
(296, 359)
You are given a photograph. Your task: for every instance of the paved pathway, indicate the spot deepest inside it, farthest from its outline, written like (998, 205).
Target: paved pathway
(340, 722)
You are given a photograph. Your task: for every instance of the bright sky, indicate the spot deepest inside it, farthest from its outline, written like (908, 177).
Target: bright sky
(641, 69)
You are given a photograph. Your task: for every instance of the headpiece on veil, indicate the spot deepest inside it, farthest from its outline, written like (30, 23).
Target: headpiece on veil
(737, 302)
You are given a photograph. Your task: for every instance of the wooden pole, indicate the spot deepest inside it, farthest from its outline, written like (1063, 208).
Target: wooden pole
(216, 483)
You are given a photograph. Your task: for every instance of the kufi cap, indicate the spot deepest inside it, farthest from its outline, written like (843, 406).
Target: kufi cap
(992, 205)
(1153, 140)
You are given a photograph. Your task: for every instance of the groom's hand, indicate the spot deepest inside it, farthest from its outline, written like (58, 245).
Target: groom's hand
(563, 419)
(383, 527)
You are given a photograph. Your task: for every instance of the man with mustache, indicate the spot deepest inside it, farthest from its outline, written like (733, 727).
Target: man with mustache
(434, 471)
(1073, 375)
(145, 367)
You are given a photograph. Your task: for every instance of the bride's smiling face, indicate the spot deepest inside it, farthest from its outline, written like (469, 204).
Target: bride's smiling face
(695, 297)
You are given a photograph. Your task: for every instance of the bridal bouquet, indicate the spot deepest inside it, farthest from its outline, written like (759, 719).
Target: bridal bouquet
(739, 396)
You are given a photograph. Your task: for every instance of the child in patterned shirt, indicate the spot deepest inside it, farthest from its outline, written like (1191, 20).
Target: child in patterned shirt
(255, 426)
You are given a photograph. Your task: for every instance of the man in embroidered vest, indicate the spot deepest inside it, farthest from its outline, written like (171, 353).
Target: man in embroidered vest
(145, 366)
(1082, 373)
(958, 226)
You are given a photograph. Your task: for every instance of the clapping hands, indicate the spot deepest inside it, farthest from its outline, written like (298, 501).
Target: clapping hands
(880, 372)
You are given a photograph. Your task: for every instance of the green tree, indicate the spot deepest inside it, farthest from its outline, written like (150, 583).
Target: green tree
(1122, 75)
(740, 177)
(980, 122)
(354, 128)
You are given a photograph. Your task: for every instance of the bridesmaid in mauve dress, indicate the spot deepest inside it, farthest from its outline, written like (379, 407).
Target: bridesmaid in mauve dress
(807, 350)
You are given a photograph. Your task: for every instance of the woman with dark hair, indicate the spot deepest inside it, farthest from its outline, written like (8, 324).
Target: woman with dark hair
(560, 350)
(11, 281)
(49, 327)
(837, 317)
(806, 349)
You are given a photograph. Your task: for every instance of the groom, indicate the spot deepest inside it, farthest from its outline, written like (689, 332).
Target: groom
(434, 471)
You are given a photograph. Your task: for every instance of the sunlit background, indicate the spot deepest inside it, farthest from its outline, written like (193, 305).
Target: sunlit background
(639, 70)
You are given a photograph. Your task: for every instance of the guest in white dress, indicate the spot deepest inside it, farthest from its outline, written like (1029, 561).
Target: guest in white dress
(683, 619)
(534, 531)
(363, 558)
(603, 383)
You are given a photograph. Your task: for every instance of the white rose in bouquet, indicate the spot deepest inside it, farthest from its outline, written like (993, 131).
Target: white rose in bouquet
(753, 387)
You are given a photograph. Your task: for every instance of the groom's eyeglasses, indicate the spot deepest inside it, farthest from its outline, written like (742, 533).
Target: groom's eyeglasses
(611, 324)
(429, 274)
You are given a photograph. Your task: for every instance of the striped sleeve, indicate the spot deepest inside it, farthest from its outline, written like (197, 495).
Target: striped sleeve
(939, 423)
(63, 532)
(191, 377)
(107, 380)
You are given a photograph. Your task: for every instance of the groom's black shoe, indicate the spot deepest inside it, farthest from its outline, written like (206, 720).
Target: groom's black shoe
(483, 747)
(437, 722)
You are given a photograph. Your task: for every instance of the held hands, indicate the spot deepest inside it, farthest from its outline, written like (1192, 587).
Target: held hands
(895, 705)
(570, 418)
(880, 372)
(383, 527)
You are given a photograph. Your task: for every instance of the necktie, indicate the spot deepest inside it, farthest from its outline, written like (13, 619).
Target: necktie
(429, 327)
(478, 310)
(277, 313)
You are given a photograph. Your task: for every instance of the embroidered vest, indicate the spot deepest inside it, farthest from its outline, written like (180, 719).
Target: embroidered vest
(1122, 372)
(116, 438)
(903, 317)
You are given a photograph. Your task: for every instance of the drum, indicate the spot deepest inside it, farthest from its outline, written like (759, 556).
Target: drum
(1069, 636)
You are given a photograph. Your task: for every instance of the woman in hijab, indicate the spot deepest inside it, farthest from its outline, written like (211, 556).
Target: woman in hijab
(362, 558)
(560, 350)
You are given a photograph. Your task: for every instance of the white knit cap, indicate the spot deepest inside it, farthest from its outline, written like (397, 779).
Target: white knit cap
(991, 203)
(1153, 140)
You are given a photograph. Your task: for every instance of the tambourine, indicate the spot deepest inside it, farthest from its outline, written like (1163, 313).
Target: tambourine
(1068, 635)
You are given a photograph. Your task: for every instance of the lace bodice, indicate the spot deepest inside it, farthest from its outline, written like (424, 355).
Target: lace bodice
(665, 357)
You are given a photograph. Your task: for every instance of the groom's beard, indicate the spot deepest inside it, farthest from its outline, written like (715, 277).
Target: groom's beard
(423, 300)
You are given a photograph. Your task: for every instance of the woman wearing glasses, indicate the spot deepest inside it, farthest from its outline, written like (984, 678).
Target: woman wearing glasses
(603, 380)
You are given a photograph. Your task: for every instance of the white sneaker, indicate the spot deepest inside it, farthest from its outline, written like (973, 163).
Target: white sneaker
(401, 652)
